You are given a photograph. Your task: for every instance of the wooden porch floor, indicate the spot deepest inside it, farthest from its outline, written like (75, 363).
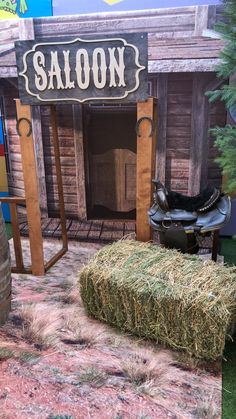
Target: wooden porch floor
(89, 231)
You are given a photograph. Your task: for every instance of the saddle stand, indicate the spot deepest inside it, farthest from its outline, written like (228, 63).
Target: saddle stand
(179, 218)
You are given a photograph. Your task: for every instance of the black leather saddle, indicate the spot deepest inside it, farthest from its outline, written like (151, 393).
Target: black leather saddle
(174, 215)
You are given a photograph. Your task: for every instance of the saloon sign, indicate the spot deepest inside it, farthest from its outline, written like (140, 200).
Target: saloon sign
(108, 68)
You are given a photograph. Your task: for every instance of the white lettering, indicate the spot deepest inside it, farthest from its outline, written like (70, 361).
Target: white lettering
(82, 69)
(99, 69)
(69, 84)
(117, 68)
(41, 80)
(55, 72)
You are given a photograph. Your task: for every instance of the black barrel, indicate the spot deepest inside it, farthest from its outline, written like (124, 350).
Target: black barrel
(5, 273)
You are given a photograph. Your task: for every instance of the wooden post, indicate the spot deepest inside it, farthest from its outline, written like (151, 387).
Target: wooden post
(146, 156)
(26, 32)
(31, 187)
(16, 236)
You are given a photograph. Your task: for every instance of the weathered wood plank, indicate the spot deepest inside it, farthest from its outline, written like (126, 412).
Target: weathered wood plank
(26, 32)
(162, 90)
(107, 230)
(177, 66)
(158, 20)
(84, 230)
(31, 191)
(199, 139)
(79, 162)
(201, 19)
(74, 227)
(6, 72)
(95, 231)
(39, 155)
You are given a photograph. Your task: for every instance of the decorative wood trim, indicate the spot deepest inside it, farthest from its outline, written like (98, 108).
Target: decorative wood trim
(162, 89)
(146, 156)
(79, 161)
(31, 189)
(198, 162)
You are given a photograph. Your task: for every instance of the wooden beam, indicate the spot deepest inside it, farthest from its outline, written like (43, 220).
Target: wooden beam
(31, 187)
(26, 32)
(79, 161)
(26, 29)
(146, 156)
(198, 163)
(201, 19)
(16, 236)
(183, 66)
(12, 199)
(162, 89)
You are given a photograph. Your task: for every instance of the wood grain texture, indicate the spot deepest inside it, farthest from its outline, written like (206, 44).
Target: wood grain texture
(26, 32)
(16, 236)
(146, 156)
(59, 177)
(79, 162)
(199, 138)
(31, 191)
(188, 65)
(162, 90)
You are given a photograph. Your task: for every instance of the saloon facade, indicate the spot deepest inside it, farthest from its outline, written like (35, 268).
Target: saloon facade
(98, 141)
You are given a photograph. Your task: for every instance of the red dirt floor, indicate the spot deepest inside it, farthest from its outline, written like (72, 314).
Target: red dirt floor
(92, 371)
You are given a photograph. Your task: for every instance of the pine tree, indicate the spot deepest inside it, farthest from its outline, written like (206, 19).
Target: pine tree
(226, 137)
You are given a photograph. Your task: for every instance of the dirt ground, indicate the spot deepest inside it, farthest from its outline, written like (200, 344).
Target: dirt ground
(57, 363)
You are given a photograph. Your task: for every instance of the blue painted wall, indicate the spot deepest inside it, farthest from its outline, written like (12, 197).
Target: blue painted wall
(36, 8)
(67, 7)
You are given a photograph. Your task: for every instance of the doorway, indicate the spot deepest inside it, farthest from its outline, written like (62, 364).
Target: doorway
(111, 161)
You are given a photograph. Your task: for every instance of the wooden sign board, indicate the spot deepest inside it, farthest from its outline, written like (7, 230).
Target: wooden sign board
(88, 69)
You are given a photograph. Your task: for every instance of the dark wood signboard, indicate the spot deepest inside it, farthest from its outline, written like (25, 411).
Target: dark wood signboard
(88, 69)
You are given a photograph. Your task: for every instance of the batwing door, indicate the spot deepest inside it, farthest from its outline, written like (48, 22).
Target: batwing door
(113, 179)
(112, 162)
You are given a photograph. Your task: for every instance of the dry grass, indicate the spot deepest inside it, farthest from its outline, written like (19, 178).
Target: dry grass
(208, 408)
(143, 370)
(41, 324)
(78, 328)
(161, 294)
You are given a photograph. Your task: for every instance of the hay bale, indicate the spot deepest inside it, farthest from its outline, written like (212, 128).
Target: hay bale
(161, 294)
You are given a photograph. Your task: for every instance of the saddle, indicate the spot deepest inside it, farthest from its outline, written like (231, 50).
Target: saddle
(178, 218)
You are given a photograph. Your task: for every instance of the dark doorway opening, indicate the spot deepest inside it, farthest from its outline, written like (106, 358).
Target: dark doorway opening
(111, 161)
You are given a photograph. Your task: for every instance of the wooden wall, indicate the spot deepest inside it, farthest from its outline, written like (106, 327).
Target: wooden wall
(179, 39)
(67, 149)
(177, 136)
(175, 132)
(15, 178)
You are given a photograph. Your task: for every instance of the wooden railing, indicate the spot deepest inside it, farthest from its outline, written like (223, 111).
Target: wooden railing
(13, 202)
(20, 267)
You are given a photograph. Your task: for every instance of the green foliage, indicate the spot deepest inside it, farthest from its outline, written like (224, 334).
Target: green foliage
(226, 144)
(226, 137)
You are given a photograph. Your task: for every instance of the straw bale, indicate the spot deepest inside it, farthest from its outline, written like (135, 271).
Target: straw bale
(177, 300)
